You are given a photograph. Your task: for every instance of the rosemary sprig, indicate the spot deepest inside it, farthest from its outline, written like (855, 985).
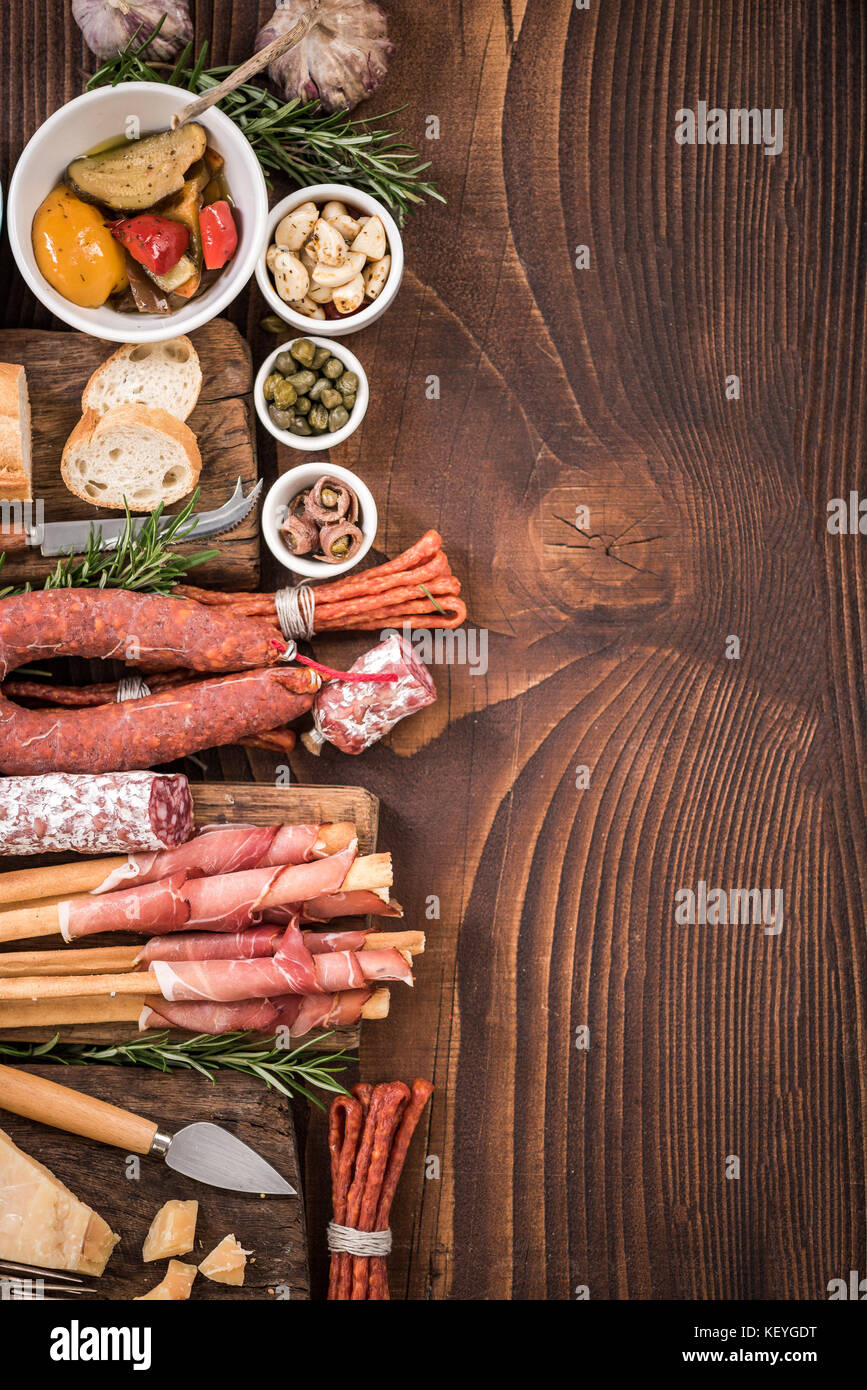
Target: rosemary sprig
(427, 593)
(292, 1073)
(141, 559)
(295, 138)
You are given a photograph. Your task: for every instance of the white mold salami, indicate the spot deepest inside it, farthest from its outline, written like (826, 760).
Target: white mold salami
(355, 714)
(114, 812)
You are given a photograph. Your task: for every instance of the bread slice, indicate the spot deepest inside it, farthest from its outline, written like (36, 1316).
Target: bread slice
(165, 375)
(15, 444)
(132, 452)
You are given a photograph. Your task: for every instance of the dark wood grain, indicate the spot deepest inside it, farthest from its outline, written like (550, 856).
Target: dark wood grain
(605, 387)
(271, 1227)
(58, 367)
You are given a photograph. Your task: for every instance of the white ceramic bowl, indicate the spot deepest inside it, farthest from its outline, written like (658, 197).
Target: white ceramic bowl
(84, 123)
(307, 443)
(320, 193)
(274, 512)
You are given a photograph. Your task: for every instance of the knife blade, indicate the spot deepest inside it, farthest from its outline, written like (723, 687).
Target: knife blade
(210, 1154)
(203, 1151)
(61, 537)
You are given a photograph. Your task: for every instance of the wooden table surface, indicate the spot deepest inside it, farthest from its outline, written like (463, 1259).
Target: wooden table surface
(710, 1141)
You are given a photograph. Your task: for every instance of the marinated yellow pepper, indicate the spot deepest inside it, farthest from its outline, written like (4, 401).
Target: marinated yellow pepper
(75, 251)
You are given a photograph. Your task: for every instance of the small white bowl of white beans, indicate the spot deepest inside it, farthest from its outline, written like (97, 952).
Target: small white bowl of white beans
(332, 259)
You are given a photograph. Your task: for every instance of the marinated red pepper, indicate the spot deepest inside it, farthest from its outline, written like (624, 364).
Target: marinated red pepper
(155, 242)
(219, 234)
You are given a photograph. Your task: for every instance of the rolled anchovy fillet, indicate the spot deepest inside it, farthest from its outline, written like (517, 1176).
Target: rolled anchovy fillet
(345, 504)
(300, 533)
(330, 536)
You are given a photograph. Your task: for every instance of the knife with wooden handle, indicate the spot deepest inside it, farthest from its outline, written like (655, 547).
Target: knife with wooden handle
(203, 1151)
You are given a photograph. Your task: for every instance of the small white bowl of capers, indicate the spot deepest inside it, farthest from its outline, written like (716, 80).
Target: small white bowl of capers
(311, 393)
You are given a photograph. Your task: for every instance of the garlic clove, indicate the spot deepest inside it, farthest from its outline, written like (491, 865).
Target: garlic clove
(333, 208)
(348, 297)
(375, 274)
(371, 240)
(309, 262)
(290, 278)
(296, 226)
(307, 307)
(334, 275)
(320, 294)
(326, 244)
(346, 226)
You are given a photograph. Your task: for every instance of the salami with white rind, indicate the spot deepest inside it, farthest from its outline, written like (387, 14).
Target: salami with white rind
(355, 714)
(114, 812)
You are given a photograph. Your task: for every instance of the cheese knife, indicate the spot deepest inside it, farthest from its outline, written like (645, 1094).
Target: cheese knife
(61, 537)
(203, 1151)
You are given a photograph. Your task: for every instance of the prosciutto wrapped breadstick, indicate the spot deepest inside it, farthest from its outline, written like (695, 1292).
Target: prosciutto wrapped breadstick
(300, 1014)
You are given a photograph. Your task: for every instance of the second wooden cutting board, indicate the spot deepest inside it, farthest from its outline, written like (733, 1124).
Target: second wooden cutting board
(58, 366)
(128, 1193)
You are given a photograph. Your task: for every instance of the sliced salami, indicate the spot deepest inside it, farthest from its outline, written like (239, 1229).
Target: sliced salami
(115, 812)
(354, 714)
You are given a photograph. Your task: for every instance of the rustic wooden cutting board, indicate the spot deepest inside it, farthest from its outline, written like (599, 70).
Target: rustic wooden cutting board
(219, 802)
(58, 367)
(272, 1227)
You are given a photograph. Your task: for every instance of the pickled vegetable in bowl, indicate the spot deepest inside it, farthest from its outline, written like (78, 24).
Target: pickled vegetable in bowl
(142, 225)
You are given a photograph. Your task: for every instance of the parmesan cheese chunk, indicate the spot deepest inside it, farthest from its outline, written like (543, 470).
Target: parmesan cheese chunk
(172, 1232)
(226, 1262)
(174, 1287)
(42, 1223)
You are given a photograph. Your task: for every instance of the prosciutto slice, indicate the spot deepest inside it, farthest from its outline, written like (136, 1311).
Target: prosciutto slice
(293, 970)
(224, 903)
(220, 849)
(242, 945)
(161, 906)
(361, 902)
(298, 1013)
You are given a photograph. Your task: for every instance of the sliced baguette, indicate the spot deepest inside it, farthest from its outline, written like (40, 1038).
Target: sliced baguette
(15, 442)
(132, 452)
(164, 375)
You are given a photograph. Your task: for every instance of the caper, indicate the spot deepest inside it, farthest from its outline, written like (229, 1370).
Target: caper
(318, 418)
(333, 368)
(349, 401)
(337, 417)
(272, 323)
(270, 383)
(340, 547)
(347, 384)
(284, 394)
(320, 357)
(328, 497)
(282, 418)
(302, 405)
(320, 384)
(302, 381)
(284, 363)
(300, 426)
(303, 351)
(330, 398)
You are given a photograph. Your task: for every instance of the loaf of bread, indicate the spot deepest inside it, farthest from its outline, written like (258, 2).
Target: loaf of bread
(133, 455)
(164, 375)
(15, 450)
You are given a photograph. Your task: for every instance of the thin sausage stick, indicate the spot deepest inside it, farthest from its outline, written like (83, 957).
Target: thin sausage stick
(102, 960)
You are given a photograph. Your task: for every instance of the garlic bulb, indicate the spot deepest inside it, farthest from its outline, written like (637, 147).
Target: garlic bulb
(108, 25)
(343, 58)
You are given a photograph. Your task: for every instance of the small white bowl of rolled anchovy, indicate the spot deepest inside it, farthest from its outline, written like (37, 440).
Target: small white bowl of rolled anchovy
(319, 520)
